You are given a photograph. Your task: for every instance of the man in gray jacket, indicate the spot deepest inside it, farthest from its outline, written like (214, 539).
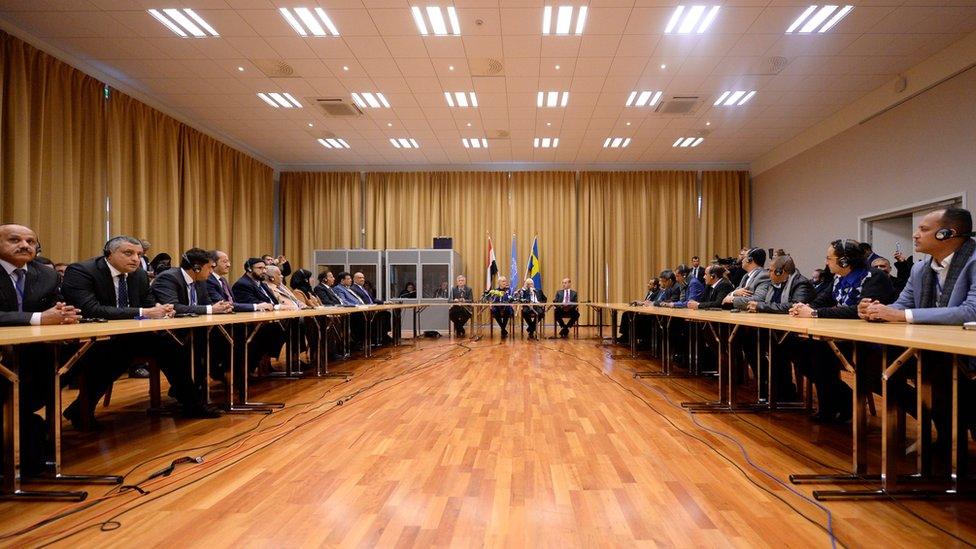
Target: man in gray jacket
(941, 290)
(787, 287)
(754, 284)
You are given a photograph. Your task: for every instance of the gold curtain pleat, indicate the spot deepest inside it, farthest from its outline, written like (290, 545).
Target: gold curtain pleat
(725, 214)
(144, 173)
(51, 139)
(319, 211)
(227, 199)
(544, 205)
(642, 222)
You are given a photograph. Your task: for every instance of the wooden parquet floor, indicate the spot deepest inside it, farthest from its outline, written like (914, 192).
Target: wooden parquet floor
(544, 444)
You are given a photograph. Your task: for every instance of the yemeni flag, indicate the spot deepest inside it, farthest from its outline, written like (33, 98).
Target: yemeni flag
(492, 268)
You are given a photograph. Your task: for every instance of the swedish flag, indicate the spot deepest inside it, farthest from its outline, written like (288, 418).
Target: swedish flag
(533, 268)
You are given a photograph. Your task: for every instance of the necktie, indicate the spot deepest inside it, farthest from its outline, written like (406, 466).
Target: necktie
(19, 286)
(123, 292)
(227, 294)
(193, 293)
(565, 296)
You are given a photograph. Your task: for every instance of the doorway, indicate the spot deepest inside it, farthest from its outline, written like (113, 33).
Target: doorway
(892, 230)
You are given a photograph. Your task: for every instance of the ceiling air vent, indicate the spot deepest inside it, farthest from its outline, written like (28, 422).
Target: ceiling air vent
(485, 66)
(678, 104)
(275, 68)
(337, 106)
(500, 134)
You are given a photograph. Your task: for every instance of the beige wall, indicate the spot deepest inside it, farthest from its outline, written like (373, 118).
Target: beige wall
(924, 148)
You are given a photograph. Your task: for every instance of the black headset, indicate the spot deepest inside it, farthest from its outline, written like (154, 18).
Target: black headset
(946, 233)
(778, 272)
(186, 264)
(845, 249)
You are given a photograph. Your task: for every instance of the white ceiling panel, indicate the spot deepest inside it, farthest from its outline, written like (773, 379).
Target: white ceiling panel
(503, 57)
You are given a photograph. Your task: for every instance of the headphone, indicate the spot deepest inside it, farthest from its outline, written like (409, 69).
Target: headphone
(845, 249)
(186, 264)
(778, 272)
(946, 233)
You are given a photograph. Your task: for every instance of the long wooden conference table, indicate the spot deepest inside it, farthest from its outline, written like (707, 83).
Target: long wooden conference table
(238, 329)
(909, 340)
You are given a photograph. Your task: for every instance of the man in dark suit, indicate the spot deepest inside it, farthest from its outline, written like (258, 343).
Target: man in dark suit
(653, 289)
(218, 289)
(697, 271)
(29, 297)
(380, 320)
(185, 287)
(531, 314)
(250, 288)
(566, 296)
(324, 290)
(754, 284)
(787, 288)
(114, 287)
(459, 315)
(716, 288)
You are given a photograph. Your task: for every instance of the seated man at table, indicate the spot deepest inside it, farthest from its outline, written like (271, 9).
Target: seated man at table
(787, 288)
(380, 323)
(323, 290)
(531, 314)
(458, 314)
(567, 298)
(853, 281)
(754, 283)
(251, 289)
(347, 297)
(218, 289)
(653, 289)
(501, 313)
(941, 290)
(29, 297)
(690, 288)
(717, 287)
(114, 287)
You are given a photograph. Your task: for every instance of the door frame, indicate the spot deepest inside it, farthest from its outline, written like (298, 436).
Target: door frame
(864, 221)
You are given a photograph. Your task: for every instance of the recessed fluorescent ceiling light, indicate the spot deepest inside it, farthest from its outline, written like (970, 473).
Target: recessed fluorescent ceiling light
(184, 22)
(691, 19)
(552, 99)
(643, 98)
(368, 100)
(432, 18)
(305, 22)
(461, 99)
(276, 100)
(475, 143)
(404, 143)
(688, 142)
(737, 98)
(822, 19)
(616, 142)
(545, 142)
(564, 20)
(330, 143)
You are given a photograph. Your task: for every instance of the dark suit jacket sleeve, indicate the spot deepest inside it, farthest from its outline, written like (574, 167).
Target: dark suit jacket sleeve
(79, 289)
(717, 295)
(41, 290)
(169, 288)
(214, 292)
(246, 292)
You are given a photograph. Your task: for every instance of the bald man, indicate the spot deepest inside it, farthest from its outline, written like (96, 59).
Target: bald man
(29, 297)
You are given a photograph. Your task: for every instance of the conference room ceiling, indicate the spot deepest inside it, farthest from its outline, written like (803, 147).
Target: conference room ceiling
(502, 56)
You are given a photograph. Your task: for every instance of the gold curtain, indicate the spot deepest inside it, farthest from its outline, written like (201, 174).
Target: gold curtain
(227, 199)
(408, 209)
(144, 174)
(51, 139)
(319, 211)
(633, 225)
(725, 214)
(544, 205)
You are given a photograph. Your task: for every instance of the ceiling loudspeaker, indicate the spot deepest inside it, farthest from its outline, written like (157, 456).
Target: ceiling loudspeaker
(338, 106)
(679, 104)
(275, 68)
(485, 66)
(776, 64)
